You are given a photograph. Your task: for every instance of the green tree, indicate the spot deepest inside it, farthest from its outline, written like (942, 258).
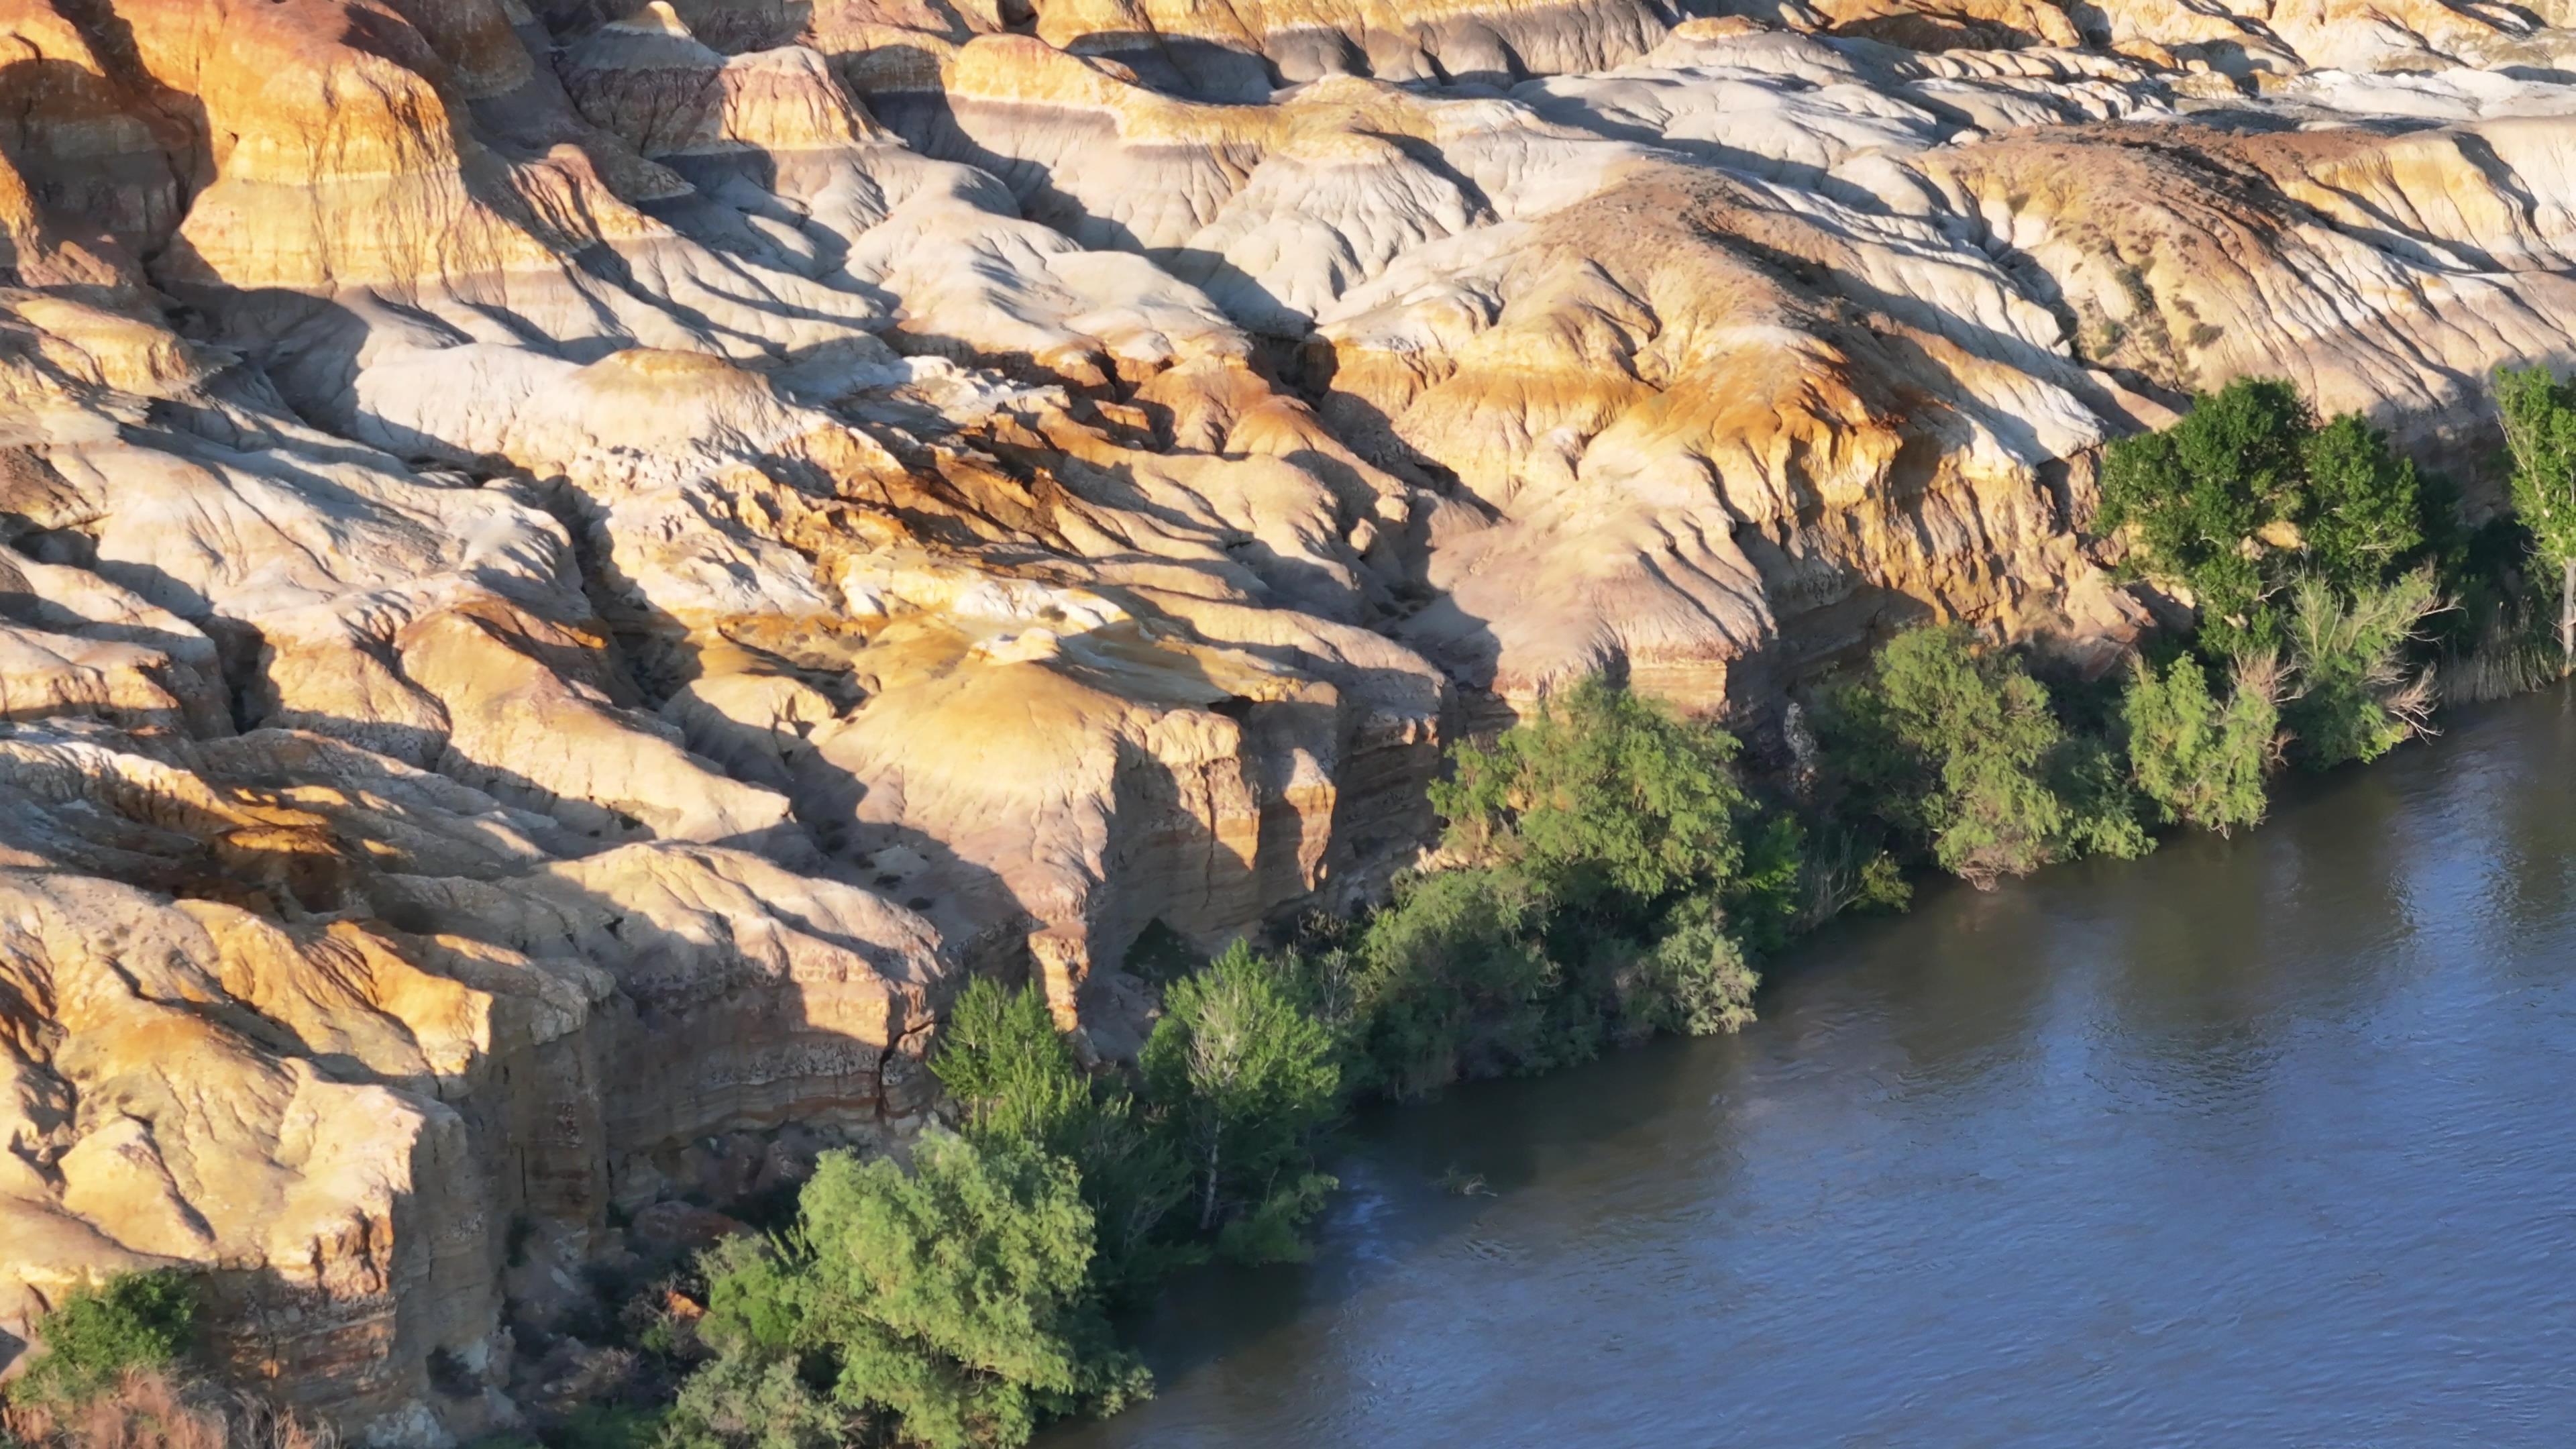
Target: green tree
(2247, 491)
(2363, 512)
(143, 1320)
(2198, 494)
(1588, 833)
(609, 1426)
(1009, 1069)
(2092, 786)
(1773, 894)
(1608, 802)
(1247, 1081)
(1005, 1064)
(948, 1306)
(2198, 759)
(2539, 416)
(2357, 696)
(750, 1400)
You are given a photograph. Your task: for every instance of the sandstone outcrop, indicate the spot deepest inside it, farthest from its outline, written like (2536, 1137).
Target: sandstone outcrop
(573, 566)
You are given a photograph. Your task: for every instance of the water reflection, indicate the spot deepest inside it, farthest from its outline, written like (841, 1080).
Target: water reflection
(2537, 814)
(2254, 1142)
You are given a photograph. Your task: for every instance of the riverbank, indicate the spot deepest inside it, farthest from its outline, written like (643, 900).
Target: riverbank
(1607, 873)
(2253, 1140)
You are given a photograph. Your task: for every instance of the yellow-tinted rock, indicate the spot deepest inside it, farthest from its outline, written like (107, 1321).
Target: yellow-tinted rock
(569, 569)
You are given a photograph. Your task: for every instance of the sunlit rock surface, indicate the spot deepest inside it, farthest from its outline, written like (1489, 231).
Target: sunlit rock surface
(574, 566)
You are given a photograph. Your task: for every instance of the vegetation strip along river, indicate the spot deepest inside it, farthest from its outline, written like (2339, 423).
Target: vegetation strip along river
(2252, 1141)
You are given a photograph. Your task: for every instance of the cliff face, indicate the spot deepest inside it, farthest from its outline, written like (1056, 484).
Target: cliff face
(573, 565)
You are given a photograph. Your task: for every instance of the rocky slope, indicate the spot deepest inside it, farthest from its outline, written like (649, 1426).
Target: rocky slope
(574, 565)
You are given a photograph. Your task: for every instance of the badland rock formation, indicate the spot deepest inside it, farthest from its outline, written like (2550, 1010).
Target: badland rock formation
(574, 565)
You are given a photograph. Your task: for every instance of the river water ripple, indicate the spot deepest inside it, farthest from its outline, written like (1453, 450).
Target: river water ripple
(2262, 1142)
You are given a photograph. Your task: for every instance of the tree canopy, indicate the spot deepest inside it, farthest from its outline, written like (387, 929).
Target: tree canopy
(2246, 491)
(140, 1320)
(2539, 416)
(1247, 1081)
(1605, 800)
(947, 1306)
(2197, 758)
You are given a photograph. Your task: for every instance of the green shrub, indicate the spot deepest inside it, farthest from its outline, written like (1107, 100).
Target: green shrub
(2539, 417)
(751, 1401)
(1274, 1230)
(1956, 749)
(1589, 829)
(1849, 868)
(145, 1320)
(609, 1426)
(2199, 760)
(2499, 635)
(1881, 886)
(1004, 1063)
(2362, 516)
(2357, 696)
(948, 1306)
(1772, 896)
(1702, 984)
(2197, 494)
(1325, 970)
(754, 1302)
(1135, 1184)
(1453, 981)
(2101, 809)
(1246, 1082)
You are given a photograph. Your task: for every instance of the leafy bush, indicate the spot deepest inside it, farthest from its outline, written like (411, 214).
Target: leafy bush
(2362, 515)
(1956, 749)
(2199, 492)
(2499, 636)
(1773, 895)
(2357, 695)
(1588, 831)
(948, 1306)
(751, 1401)
(1848, 868)
(609, 1426)
(1703, 986)
(2101, 810)
(2199, 760)
(1607, 802)
(1246, 1081)
(1134, 1183)
(1002, 1060)
(97, 1335)
(1453, 981)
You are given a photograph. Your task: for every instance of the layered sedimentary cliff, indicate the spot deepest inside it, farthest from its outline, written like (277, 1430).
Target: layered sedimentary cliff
(573, 565)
